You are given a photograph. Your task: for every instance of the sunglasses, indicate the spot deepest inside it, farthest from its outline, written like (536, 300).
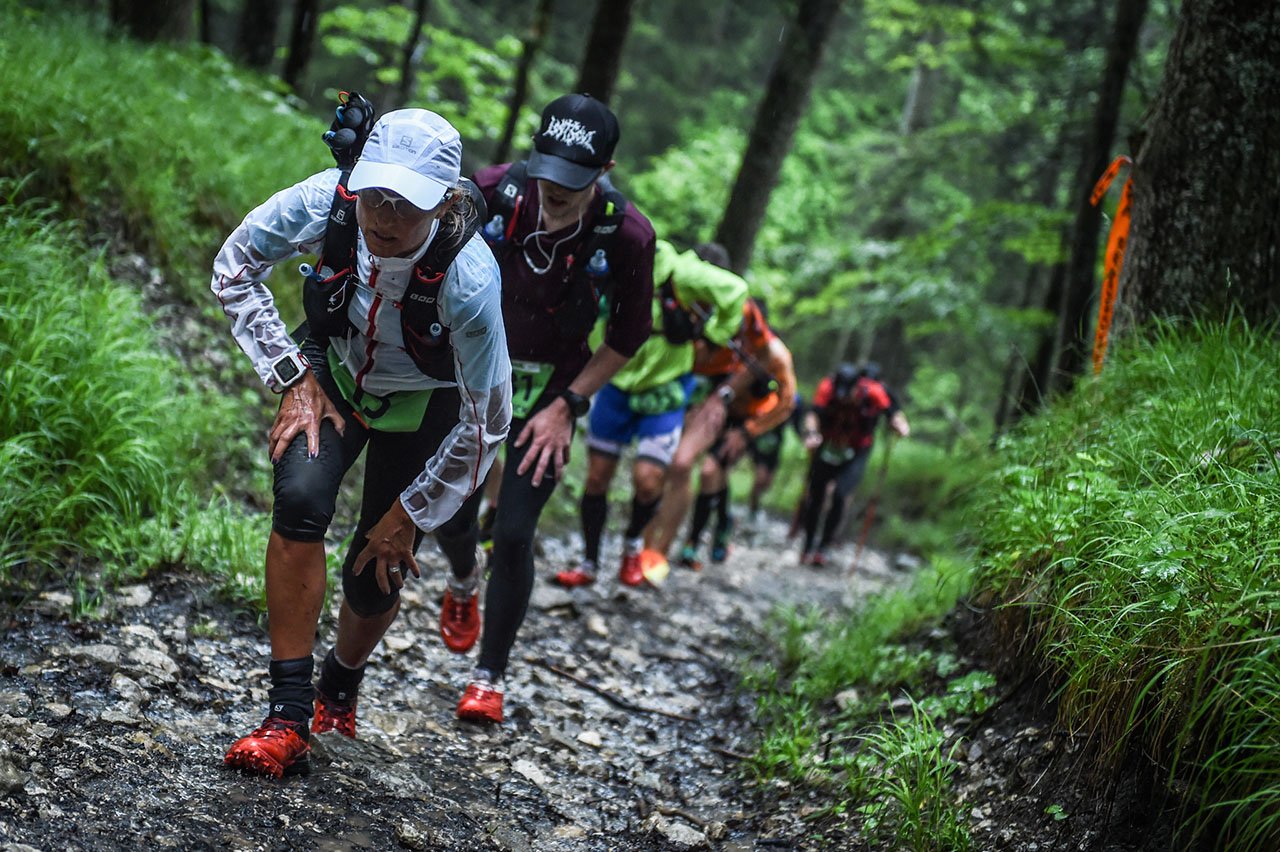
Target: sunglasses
(400, 206)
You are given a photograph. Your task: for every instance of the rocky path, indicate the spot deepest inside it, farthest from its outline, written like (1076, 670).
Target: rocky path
(625, 724)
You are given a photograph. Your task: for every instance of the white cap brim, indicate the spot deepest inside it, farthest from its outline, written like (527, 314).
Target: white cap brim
(421, 191)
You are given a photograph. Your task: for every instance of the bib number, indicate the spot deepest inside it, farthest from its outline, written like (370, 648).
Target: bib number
(528, 381)
(401, 411)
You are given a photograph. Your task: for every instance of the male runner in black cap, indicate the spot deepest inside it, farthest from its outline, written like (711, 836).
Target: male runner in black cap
(566, 243)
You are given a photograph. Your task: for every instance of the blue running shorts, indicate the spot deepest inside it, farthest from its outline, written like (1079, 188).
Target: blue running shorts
(612, 425)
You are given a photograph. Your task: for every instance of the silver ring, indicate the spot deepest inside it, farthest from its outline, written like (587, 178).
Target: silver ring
(394, 569)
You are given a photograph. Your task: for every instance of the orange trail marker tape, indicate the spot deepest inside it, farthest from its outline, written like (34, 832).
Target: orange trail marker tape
(1117, 242)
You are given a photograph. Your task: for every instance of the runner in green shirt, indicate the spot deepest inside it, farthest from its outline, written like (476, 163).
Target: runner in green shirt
(694, 297)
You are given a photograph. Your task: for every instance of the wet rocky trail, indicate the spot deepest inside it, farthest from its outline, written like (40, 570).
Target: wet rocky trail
(626, 726)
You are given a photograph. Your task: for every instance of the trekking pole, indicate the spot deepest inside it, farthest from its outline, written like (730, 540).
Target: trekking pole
(871, 506)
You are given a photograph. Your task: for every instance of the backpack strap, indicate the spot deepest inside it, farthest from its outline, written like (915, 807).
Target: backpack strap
(327, 289)
(591, 290)
(679, 323)
(426, 339)
(499, 222)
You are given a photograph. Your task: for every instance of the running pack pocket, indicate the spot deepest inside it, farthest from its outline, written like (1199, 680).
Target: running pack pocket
(528, 381)
(667, 396)
(401, 411)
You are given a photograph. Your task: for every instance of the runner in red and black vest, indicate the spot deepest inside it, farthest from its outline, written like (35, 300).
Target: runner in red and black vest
(839, 432)
(568, 246)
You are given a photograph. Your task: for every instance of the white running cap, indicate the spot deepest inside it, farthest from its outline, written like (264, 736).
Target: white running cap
(411, 152)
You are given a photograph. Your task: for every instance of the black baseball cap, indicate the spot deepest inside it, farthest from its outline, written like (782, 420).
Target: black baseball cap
(575, 142)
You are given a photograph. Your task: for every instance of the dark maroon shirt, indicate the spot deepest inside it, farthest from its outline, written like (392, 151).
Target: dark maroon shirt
(527, 297)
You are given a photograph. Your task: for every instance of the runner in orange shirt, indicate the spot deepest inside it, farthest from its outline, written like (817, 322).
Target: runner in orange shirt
(753, 389)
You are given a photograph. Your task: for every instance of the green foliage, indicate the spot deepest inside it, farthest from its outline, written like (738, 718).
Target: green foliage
(1132, 538)
(904, 780)
(173, 145)
(105, 441)
(458, 77)
(892, 777)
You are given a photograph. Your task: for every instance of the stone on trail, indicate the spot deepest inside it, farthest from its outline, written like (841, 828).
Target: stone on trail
(106, 655)
(148, 662)
(676, 832)
(396, 642)
(133, 596)
(847, 698)
(531, 772)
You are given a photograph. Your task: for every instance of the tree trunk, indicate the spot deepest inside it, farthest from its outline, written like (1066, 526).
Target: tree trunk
(599, 72)
(520, 91)
(154, 20)
(302, 37)
(205, 10)
(779, 113)
(258, 20)
(410, 57)
(1083, 262)
(1206, 181)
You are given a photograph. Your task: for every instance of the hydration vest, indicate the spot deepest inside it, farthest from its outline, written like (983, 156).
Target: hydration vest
(327, 291)
(850, 419)
(590, 282)
(679, 324)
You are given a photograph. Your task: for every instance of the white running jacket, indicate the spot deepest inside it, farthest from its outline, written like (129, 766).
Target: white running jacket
(292, 222)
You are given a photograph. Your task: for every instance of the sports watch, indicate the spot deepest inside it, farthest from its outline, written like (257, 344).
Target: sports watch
(289, 369)
(578, 404)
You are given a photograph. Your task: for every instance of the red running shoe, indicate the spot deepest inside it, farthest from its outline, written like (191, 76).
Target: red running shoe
(817, 559)
(580, 576)
(459, 621)
(332, 716)
(276, 748)
(481, 702)
(632, 571)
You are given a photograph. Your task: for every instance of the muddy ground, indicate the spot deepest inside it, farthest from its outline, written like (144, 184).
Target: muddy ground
(625, 723)
(626, 728)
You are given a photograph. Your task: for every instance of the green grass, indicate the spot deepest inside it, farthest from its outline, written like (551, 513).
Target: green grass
(168, 146)
(903, 777)
(110, 451)
(890, 778)
(1131, 541)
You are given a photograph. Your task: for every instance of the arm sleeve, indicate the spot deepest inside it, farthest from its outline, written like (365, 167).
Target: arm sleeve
(698, 281)
(472, 309)
(783, 371)
(290, 222)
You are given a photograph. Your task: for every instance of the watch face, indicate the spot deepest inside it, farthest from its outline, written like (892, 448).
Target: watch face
(286, 370)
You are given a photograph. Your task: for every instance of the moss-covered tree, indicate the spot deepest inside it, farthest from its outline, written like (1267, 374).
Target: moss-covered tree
(1205, 236)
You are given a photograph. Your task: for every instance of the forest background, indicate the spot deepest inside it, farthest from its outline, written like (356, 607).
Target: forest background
(920, 205)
